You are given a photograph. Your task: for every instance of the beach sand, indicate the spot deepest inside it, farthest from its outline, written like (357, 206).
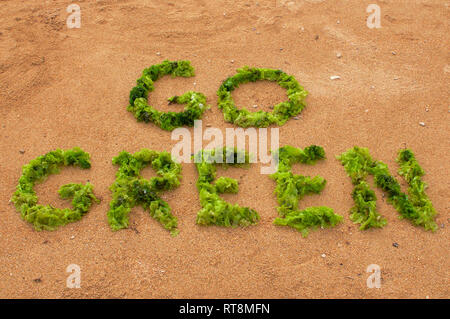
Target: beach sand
(62, 87)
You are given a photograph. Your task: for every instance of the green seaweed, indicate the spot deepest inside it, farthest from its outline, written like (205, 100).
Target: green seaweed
(47, 217)
(309, 218)
(412, 173)
(292, 188)
(138, 105)
(417, 208)
(130, 189)
(215, 210)
(281, 112)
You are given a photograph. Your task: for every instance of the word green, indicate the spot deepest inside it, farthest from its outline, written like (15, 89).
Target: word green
(130, 189)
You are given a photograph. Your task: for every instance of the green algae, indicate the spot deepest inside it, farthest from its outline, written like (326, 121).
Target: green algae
(215, 210)
(416, 207)
(292, 188)
(47, 217)
(130, 189)
(412, 173)
(282, 111)
(195, 102)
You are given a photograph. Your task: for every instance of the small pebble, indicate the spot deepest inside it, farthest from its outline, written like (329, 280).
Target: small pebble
(255, 106)
(158, 53)
(372, 87)
(394, 53)
(366, 110)
(21, 151)
(296, 118)
(338, 21)
(72, 237)
(442, 225)
(396, 78)
(316, 38)
(232, 61)
(421, 123)
(426, 109)
(339, 55)
(395, 245)
(335, 77)
(323, 255)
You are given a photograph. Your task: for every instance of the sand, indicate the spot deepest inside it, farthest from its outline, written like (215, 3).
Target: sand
(61, 88)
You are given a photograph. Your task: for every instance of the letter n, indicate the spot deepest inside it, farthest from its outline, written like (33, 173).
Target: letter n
(416, 207)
